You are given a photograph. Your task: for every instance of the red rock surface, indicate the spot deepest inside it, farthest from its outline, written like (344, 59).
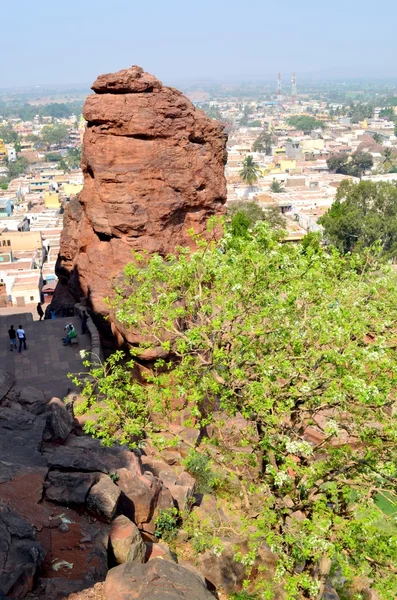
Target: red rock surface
(153, 169)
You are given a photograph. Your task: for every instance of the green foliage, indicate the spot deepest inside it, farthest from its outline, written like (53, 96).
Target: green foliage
(387, 113)
(355, 164)
(276, 187)
(244, 214)
(360, 111)
(167, 524)
(305, 123)
(114, 401)
(263, 143)
(3, 185)
(27, 112)
(8, 135)
(54, 135)
(199, 466)
(254, 124)
(361, 215)
(17, 167)
(250, 172)
(53, 157)
(114, 477)
(280, 333)
(377, 138)
(73, 157)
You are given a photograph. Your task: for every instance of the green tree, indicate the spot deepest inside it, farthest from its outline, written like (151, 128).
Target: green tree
(263, 143)
(250, 172)
(287, 347)
(276, 187)
(387, 113)
(73, 157)
(361, 215)
(17, 167)
(355, 165)
(305, 123)
(8, 135)
(244, 214)
(377, 137)
(54, 135)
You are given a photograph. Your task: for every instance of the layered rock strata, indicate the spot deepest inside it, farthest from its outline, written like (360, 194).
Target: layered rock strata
(153, 169)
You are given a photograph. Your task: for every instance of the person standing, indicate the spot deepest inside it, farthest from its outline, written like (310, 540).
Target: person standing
(22, 338)
(40, 311)
(84, 320)
(12, 334)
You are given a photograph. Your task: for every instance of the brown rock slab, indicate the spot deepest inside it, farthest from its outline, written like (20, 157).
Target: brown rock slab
(158, 579)
(126, 541)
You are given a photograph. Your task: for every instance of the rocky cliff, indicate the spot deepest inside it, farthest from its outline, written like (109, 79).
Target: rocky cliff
(153, 169)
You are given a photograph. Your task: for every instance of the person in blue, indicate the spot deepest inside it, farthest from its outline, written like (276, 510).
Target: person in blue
(22, 338)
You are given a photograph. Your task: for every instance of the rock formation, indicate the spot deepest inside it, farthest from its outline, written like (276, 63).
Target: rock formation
(153, 169)
(65, 499)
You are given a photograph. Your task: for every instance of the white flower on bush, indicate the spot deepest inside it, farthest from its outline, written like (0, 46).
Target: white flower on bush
(301, 448)
(332, 428)
(281, 478)
(83, 354)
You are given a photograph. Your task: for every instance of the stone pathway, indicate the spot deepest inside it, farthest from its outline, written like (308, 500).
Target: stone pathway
(46, 363)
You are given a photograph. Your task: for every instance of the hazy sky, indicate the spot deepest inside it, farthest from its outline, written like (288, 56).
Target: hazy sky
(72, 41)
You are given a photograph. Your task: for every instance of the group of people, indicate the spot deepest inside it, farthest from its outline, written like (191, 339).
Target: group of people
(17, 334)
(20, 335)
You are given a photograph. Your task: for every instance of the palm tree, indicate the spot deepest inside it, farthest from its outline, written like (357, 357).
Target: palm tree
(276, 187)
(387, 162)
(250, 172)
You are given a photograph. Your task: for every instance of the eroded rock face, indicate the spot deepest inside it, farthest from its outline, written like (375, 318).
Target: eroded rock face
(153, 169)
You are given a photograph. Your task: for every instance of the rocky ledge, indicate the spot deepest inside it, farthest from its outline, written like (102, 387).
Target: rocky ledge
(70, 509)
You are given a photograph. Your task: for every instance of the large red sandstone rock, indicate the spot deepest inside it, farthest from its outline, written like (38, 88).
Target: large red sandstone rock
(153, 169)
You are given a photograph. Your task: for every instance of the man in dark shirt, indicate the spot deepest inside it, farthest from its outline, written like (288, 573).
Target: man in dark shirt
(13, 338)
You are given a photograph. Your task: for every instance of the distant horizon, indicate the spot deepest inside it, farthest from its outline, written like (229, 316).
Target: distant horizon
(331, 75)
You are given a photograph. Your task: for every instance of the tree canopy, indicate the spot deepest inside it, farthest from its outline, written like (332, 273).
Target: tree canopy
(244, 215)
(305, 123)
(355, 164)
(54, 134)
(301, 343)
(362, 214)
(263, 143)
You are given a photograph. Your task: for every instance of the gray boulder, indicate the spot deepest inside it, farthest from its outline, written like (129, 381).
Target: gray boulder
(103, 498)
(21, 555)
(59, 421)
(69, 488)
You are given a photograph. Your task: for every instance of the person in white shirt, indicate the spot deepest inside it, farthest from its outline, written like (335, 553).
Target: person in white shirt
(22, 338)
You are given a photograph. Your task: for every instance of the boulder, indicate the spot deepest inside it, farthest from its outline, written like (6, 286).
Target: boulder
(7, 380)
(59, 421)
(221, 570)
(153, 168)
(103, 498)
(21, 555)
(32, 399)
(126, 541)
(69, 488)
(158, 579)
(139, 496)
